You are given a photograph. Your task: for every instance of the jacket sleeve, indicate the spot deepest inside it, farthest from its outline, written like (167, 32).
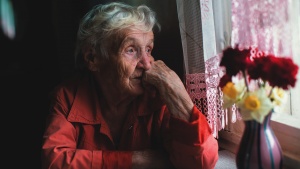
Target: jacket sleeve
(59, 149)
(191, 145)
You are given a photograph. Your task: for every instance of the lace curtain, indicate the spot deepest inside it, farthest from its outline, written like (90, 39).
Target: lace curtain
(265, 24)
(207, 27)
(197, 28)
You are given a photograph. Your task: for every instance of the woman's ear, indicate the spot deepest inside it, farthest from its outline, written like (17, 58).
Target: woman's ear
(91, 60)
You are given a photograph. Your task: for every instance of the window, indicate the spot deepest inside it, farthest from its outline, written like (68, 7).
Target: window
(285, 124)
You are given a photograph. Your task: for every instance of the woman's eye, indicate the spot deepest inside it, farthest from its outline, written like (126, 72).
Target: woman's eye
(130, 51)
(148, 50)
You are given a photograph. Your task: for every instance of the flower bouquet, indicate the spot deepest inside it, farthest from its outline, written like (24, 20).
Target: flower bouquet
(255, 82)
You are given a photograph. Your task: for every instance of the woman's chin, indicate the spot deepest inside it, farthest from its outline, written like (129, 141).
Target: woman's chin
(137, 87)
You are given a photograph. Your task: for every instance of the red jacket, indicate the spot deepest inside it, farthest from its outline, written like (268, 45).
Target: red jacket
(77, 136)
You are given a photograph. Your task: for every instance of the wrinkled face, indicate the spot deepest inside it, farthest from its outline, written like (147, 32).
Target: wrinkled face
(133, 58)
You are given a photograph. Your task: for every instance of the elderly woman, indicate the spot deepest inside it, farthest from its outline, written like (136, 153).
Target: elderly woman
(124, 109)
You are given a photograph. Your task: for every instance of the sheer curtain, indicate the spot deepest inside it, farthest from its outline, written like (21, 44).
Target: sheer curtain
(265, 24)
(204, 34)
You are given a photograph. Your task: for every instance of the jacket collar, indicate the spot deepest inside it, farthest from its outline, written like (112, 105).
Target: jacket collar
(84, 108)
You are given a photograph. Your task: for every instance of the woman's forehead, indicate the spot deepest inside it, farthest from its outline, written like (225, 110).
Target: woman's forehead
(137, 29)
(136, 35)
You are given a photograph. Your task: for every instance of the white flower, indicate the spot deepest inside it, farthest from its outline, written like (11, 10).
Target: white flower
(255, 105)
(232, 93)
(278, 97)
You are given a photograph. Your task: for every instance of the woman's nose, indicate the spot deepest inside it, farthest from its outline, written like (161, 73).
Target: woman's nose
(145, 61)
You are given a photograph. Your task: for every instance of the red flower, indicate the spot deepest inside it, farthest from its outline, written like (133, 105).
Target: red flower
(277, 71)
(280, 72)
(235, 60)
(257, 69)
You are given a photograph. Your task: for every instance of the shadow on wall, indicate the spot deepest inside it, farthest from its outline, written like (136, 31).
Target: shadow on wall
(41, 55)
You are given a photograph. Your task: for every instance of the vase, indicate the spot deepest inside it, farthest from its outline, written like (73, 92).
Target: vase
(259, 147)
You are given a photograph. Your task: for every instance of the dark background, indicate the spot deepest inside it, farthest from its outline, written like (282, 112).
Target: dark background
(41, 55)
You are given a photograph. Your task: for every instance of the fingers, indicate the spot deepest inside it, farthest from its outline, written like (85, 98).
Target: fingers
(159, 64)
(158, 72)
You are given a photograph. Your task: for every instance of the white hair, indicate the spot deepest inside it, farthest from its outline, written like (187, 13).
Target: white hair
(102, 22)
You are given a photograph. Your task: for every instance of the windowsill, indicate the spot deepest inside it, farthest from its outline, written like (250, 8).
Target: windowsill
(287, 131)
(288, 120)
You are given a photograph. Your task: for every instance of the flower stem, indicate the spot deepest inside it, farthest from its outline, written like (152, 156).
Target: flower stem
(270, 92)
(246, 82)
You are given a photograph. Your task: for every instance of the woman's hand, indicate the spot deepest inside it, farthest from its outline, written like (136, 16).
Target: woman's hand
(170, 88)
